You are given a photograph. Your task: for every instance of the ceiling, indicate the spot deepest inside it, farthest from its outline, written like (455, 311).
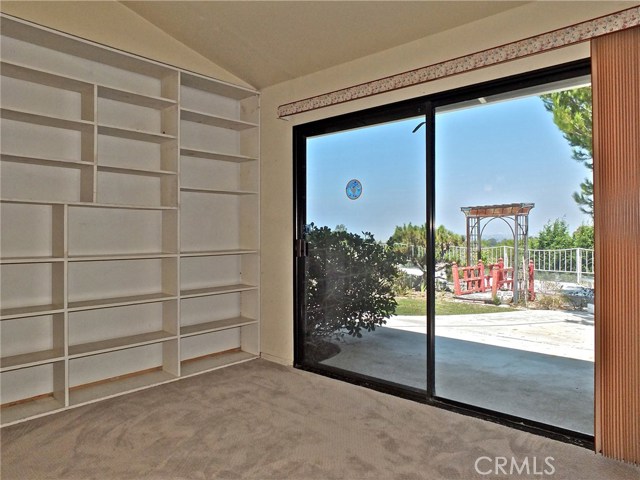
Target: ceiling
(268, 42)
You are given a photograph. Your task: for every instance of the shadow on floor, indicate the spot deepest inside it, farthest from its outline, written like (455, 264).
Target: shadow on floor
(546, 388)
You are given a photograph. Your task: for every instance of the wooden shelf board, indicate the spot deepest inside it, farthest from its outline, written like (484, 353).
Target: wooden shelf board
(119, 301)
(46, 120)
(29, 202)
(133, 98)
(213, 362)
(44, 161)
(213, 253)
(215, 326)
(9, 260)
(225, 157)
(214, 121)
(218, 191)
(135, 207)
(126, 256)
(117, 386)
(216, 87)
(203, 292)
(117, 205)
(135, 171)
(32, 311)
(31, 359)
(23, 72)
(29, 408)
(119, 343)
(134, 134)
(86, 204)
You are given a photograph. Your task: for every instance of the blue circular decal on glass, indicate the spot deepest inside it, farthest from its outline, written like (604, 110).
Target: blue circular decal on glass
(354, 189)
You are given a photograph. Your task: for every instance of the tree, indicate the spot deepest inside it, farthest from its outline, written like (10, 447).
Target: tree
(445, 239)
(349, 284)
(583, 237)
(553, 236)
(410, 241)
(572, 114)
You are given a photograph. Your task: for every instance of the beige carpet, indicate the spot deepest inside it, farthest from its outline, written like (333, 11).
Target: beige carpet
(260, 420)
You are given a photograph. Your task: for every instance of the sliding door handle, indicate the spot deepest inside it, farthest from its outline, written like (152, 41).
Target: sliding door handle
(301, 248)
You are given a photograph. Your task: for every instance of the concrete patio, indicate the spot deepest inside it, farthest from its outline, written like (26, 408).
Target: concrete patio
(536, 364)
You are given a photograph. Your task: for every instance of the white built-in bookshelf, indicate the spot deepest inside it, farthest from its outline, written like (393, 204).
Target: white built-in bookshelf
(129, 217)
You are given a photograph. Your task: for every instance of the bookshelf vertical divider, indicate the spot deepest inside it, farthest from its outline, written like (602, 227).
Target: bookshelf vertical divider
(130, 190)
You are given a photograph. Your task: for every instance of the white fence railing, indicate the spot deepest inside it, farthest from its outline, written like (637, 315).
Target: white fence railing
(577, 261)
(489, 254)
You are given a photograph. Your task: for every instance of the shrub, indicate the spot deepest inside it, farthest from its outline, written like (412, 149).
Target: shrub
(350, 282)
(550, 302)
(574, 302)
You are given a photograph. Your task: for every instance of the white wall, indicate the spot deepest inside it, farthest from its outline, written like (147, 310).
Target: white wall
(276, 135)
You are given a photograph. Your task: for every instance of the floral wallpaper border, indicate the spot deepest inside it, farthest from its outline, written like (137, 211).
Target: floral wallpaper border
(563, 37)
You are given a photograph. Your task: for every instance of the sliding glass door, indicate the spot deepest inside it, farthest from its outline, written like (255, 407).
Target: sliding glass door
(444, 250)
(514, 325)
(363, 249)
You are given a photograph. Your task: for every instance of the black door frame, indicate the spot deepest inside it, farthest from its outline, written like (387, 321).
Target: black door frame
(426, 106)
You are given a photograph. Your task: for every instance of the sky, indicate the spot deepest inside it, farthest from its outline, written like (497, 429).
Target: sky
(505, 152)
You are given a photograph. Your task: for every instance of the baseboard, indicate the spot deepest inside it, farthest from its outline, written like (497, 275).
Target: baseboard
(288, 362)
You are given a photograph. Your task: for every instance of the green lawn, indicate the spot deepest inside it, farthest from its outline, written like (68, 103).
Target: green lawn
(417, 306)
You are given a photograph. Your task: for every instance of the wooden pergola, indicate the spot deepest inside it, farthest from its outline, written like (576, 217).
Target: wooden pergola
(516, 216)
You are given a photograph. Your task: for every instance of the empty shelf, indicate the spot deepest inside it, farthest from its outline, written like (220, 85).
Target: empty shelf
(55, 162)
(215, 325)
(124, 256)
(135, 171)
(215, 121)
(86, 204)
(31, 359)
(29, 408)
(211, 362)
(8, 260)
(133, 98)
(213, 253)
(134, 134)
(119, 301)
(32, 311)
(42, 77)
(218, 191)
(202, 292)
(225, 157)
(46, 120)
(117, 386)
(216, 87)
(119, 343)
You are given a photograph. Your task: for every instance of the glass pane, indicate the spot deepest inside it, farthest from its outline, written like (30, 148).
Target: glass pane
(364, 274)
(514, 314)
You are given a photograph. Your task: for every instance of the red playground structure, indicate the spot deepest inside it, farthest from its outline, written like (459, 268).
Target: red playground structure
(475, 279)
